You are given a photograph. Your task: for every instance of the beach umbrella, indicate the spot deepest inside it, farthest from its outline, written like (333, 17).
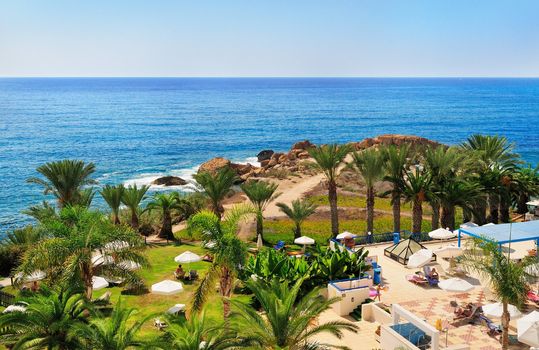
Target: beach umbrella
(35, 276)
(455, 285)
(259, 243)
(176, 308)
(528, 329)
(468, 224)
(449, 252)
(419, 258)
(187, 257)
(345, 234)
(99, 283)
(116, 245)
(167, 287)
(489, 224)
(304, 240)
(496, 310)
(441, 233)
(129, 265)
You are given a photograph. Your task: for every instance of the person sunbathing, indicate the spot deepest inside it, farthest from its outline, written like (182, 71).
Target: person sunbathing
(179, 273)
(463, 312)
(434, 274)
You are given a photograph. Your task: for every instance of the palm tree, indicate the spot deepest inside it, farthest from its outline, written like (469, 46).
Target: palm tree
(298, 212)
(260, 193)
(370, 165)
(397, 159)
(329, 158)
(120, 331)
(195, 333)
(49, 321)
(216, 185)
(287, 322)
(67, 251)
(526, 185)
(507, 278)
(457, 192)
(166, 203)
(132, 196)
(417, 190)
(442, 164)
(113, 196)
(41, 212)
(65, 180)
(228, 252)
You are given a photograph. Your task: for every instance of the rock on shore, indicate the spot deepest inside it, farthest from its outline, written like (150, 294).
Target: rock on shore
(169, 181)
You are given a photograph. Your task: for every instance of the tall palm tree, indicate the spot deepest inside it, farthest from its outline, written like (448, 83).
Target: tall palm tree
(397, 160)
(166, 203)
(113, 196)
(298, 212)
(120, 331)
(228, 252)
(195, 332)
(417, 190)
(370, 164)
(507, 278)
(526, 185)
(216, 186)
(67, 251)
(132, 197)
(288, 319)
(457, 192)
(49, 321)
(260, 193)
(329, 158)
(442, 164)
(65, 180)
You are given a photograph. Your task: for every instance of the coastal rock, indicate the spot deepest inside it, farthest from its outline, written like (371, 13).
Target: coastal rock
(264, 155)
(303, 145)
(214, 164)
(241, 169)
(394, 139)
(169, 181)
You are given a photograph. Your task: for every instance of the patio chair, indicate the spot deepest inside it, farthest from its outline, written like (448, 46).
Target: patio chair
(160, 325)
(279, 245)
(193, 275)
(416, 279)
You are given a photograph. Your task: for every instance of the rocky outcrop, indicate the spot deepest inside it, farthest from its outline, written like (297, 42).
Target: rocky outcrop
(303, 145)
(214, 164)
(394, 139)
(264, 155)
(169, 181)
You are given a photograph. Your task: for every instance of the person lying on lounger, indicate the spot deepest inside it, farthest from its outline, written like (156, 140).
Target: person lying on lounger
(466, 311)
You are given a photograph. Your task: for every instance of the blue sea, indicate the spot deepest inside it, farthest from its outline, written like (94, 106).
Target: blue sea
(135, 129)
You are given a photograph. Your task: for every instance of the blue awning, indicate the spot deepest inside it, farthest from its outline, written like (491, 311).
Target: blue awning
(505, 233)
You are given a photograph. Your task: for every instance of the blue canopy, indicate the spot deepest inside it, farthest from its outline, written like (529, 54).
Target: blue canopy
(504, 233)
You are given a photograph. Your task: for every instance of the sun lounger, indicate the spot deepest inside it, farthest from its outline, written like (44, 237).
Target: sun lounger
(433, 281)
(279, 245)
(160, 325)
(533, 297)
(492, 329)
(193, 275)
(468, 315)
(416, 279)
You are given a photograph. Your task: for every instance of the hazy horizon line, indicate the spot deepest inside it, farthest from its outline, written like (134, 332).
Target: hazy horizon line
(263, 77)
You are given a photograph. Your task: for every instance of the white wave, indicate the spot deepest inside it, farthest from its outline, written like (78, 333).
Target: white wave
(185, 173)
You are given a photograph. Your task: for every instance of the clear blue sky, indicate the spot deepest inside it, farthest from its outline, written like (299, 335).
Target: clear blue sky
(269, 38)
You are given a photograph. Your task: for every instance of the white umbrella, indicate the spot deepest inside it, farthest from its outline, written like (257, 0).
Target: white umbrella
(129, 265)
(304, 240)
(167, 287)
(176, 308)
(441, 233)
(455, 285)
(468, 224)
(496, 310)
(187, 257)
(99, 283)
(210, 244)
(489, 224)
(116, 245)
(345, 234)
(419, 258)
(35, 276)
(449, 251)
(528, 329)
(259, 243)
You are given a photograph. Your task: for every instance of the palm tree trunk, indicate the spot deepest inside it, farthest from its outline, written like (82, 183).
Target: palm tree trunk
(505, 326)
(225, 288)
(370, 209)
(417, 216)
(448, 217)
(166, 227)
(87, 275)
(493, 203)
(435, 218)
(505, 202)
(116, 218)
(332, 197)
(466, 215)
(134, 219)
(297, 230)
(396, 211)
(522, 208)
(260, 224)
(479, 213)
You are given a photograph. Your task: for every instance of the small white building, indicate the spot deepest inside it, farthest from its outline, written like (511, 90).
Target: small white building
(353, 292)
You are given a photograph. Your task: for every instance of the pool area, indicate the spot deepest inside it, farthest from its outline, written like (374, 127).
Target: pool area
(413, 334)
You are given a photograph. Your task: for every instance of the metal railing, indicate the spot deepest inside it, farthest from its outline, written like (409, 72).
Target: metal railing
(388, 237)
(6, 299)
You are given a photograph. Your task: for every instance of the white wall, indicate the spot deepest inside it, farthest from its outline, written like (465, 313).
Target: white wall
(391, 340)
(350, 299)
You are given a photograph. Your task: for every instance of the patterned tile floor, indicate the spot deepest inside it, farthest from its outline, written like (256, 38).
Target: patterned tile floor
(474, 335)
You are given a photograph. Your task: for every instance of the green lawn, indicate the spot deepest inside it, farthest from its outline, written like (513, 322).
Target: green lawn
(350, 201)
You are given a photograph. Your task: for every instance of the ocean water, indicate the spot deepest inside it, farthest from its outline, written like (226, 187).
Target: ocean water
(136, 129)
